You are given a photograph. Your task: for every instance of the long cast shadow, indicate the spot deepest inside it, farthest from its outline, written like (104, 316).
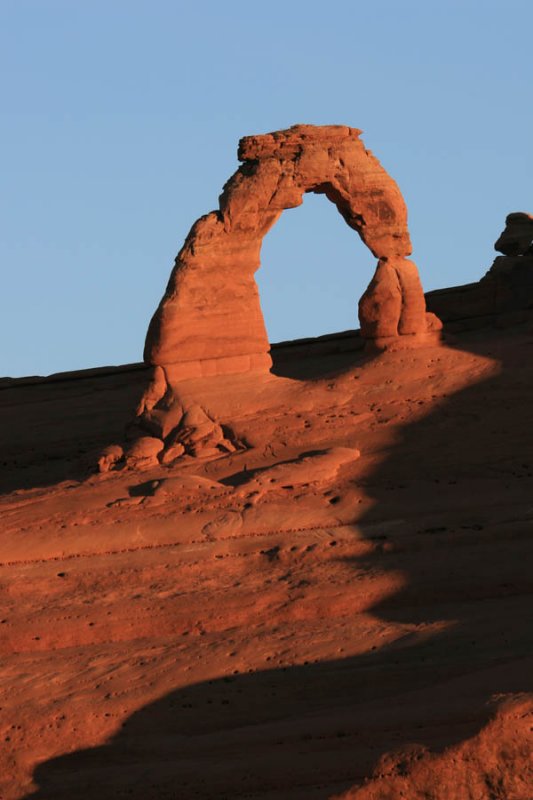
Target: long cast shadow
(319, 357)
(452, 514)
(52, 430)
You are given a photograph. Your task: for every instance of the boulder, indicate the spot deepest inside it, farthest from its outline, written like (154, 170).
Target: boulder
(143, 452)
(517, 237)
(197, 435)
(504, 295)
(110, 457)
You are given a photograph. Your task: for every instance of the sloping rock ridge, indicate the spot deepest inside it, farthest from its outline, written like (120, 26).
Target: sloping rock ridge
(312, 584)
(504, 296)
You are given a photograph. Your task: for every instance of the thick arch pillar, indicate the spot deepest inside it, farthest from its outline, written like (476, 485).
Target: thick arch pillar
(210, 321)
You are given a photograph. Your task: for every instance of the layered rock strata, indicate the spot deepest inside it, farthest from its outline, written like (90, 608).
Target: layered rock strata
(209, 320)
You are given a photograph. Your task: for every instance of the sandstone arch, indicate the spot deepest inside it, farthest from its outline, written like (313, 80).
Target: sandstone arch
(210, 321)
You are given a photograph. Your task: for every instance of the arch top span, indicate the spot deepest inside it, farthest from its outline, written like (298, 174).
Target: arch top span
(330, 160)
(209, 320)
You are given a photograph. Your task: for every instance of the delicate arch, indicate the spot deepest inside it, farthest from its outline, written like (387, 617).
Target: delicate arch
(210, 321)
(314, 268)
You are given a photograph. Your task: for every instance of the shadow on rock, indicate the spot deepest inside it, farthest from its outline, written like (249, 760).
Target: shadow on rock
(452, 515)
(53, 431)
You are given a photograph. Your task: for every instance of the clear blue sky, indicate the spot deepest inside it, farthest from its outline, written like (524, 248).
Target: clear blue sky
(119, 124)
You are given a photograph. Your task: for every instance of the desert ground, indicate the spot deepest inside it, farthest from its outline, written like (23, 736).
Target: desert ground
(339, 607)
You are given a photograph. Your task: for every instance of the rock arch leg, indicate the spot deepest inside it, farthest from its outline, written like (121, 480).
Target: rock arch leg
(209, 320)
(393, 304)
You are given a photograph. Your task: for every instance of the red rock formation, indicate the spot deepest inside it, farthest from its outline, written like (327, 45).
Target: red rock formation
(503, 295)
(495, 764)
(209, 320)
(517, 238)
(285, 621)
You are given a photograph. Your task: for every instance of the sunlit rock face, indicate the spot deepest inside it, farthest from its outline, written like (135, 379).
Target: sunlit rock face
(210, 322)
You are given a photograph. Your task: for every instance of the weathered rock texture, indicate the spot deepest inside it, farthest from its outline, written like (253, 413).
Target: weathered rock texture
(504, 295)
(209, 320)
(494, 765)
(274, 624)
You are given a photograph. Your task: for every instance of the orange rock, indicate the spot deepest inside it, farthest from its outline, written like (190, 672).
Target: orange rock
(394, 302)
(143, 452)
(172, 453)
(381, 305)
(210, 314)
(161, 420)
(197, 435)
(319, 467)
(493, 765)
(109, 457)
(154, 392)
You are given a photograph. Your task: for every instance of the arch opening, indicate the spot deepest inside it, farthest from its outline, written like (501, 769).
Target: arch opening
(209, 321)
(314, 268)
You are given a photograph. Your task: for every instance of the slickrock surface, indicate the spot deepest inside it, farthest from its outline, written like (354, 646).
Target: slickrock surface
(209, 320)
(496, 763)
(337, 601)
